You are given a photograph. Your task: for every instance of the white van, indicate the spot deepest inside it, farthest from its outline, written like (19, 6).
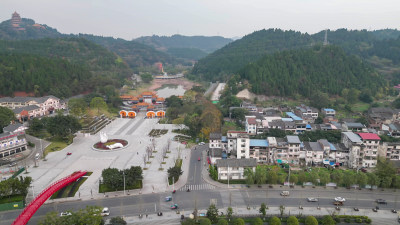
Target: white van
(285, 193)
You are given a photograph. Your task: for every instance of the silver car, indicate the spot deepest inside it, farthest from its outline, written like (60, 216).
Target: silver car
(312, 199)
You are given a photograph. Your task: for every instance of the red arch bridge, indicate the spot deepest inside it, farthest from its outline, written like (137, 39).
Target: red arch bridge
(35, 204)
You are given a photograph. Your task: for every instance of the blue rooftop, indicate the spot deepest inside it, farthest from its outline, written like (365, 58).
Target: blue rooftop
(293, 116)
(332, 146)
(329, 110)
(224, 139)
(259, 142)
(287, 119)
(308, 126)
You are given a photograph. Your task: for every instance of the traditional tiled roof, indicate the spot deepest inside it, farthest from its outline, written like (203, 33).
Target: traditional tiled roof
(293, 139)
(215, 136)
(27, 108)
(251, 121)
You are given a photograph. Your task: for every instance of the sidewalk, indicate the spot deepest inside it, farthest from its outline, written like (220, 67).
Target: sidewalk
(173, 217)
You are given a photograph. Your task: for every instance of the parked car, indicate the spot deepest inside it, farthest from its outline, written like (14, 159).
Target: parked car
(65, 214)
(375, 209)
(12, 164)
(174, 206)
(340, 199)
(381, 201)
(198, 159)
(356, 209)
(202, 143)
(69, 153)
(312, 199)
(168, 198)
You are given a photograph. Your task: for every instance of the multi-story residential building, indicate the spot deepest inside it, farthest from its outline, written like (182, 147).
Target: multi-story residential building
(251, 125)
(233, 169)
(390, 151)
(215, 140)
(232, 135)
(243, 146)
(354, 127)
(294, 148)
(328, 112)
(363, 149)
(259, 150)
(305, 111)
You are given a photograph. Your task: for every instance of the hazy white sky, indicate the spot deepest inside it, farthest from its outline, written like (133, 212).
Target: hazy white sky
(229, 18)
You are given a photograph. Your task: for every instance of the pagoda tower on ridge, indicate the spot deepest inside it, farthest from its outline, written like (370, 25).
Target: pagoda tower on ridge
(16, 21)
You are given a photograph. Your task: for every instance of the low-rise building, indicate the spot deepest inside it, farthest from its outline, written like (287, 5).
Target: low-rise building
(259, 150)
(215, 140)
(233, 169)
(251, 125)
(328, 112)
(12, 143)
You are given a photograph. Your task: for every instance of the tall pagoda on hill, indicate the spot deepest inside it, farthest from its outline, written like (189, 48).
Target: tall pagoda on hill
(16, 21)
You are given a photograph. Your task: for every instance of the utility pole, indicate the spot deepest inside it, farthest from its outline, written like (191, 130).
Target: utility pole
(228, 176)
(173, 183)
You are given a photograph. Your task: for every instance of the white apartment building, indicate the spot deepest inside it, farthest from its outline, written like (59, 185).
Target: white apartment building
(215, 140)
(243, 146)
(390, 151)
(234, 168)
(231, 139)
(251, 125)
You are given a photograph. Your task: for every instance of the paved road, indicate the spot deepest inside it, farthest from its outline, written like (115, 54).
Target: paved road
(253, 197)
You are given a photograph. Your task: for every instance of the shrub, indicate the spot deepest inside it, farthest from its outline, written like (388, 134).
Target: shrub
(292, 220)
(359, 220)
(238, 221)
(257, 221)
(347, 220)
(274, 221)
(368, 220)
(310, 220)
(327, 220)
(222, 222)
(205, 221)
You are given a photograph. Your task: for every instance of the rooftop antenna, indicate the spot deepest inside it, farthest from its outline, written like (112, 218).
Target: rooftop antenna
(326, 37)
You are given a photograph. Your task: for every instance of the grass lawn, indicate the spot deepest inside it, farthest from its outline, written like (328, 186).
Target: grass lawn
(13, 198)
(360, 107)
(70, 190)
(55, 146)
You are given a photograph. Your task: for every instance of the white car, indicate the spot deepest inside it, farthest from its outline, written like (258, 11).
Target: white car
(105, 212)
(65, 214)
(340, 199)
(312, 199)
(202, 143)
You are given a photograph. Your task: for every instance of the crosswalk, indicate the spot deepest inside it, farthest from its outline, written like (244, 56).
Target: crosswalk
(194, 187)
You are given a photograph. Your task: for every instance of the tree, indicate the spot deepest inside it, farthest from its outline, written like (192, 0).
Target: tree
(62, 126)
(274, 221)
(257, 221)
(212, 213)
(385, 171)
(222, 222)
(77, 106)
(146, 77)
(238, 221)
(337, 177)
(372, 179)
(362, 179)
(324, 177)
(263, 209)
(348, 178)
(117, 221)
(98, 103)
(260, 175)
(310, 220)
(35, 125)
(396, 103)
(319, 100)
(272, 177)
(293, 179)
(249, 174)
(292, 220)
(205, 221)
(229, 213)
(6, 116)
(328, 220)
(302, 177)
(112, 178)
(174, 172)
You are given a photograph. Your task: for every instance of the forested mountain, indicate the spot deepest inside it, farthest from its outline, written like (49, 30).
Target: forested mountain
(42, 62)
(32, 31)
(206, 44)
(42, 75)
(228, 60)
(132, 52)
(187, 53)
(250, 48)
(303, 71)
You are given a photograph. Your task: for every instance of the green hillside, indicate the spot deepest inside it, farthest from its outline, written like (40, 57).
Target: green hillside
(76, 55)
(32, 73)
(206, 44)
(132, 52)
(250, 48)
(30, 32)
(187, 53)
(327, 69)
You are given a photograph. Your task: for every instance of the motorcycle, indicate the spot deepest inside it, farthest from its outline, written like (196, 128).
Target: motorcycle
(188, 190)
(173, 192)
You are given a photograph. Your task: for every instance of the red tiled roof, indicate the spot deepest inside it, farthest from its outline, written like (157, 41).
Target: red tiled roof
(251, 121)
(369, 136)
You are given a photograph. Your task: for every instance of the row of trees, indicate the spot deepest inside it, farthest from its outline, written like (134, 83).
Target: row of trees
(90, 215)
(15, 186)
(384, 176)
(114, 178)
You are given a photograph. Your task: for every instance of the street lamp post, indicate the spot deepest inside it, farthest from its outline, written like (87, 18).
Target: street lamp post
(123, 172)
